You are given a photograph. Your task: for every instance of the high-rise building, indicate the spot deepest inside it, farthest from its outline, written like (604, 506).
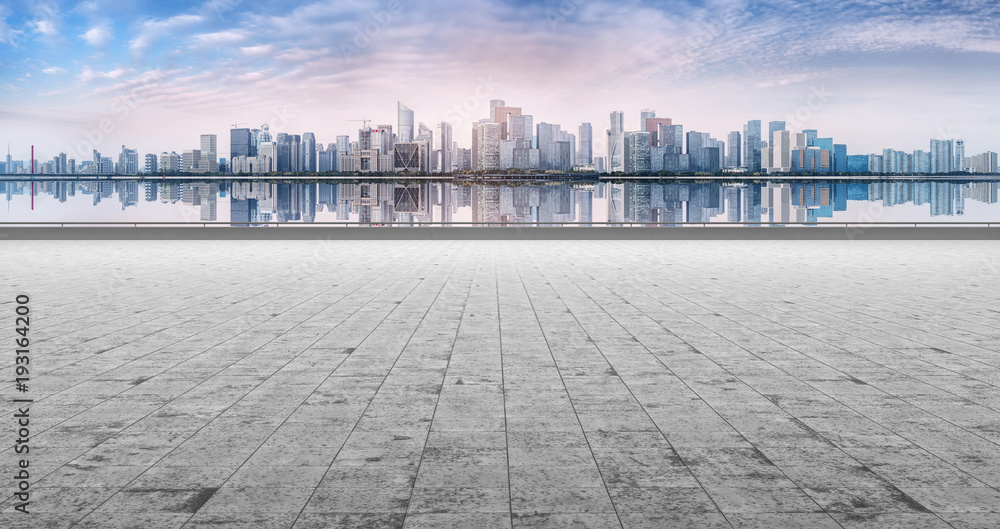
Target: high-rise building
(170, 162)
(983, 163)
(857, 163)
(410, 157)
(637, 152)
(382, 138)
(344, 143)
(959, 156)
(811, 135)
(494, 105)
(585, 154)
(502, 116)
(128, 161)
(150, 166)
(190, 161)
(781, 147)
(942, 156)
(209, 162)
(840, 158)
(752, 146)
(485, 146)
(405, 123)
(268, 151)
(445, 135)
(616, 142)
(645, 114)
(240, 143)
(733, 158)
(521, 127)
(326, 161)
(309, 152)
(652, 126)
(697, 151)
(772, 127)
(548, 134)
(425, 134)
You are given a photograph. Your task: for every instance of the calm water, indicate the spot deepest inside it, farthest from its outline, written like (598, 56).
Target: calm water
(562, 202)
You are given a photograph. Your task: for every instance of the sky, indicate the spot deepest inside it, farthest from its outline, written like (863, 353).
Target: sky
(155, 76)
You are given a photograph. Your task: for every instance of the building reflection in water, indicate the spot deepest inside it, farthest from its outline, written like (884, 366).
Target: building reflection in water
(378, 202)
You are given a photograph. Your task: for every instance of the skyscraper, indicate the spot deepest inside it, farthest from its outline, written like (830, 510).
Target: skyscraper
(239, 143)
(773, 127)
(485, 146)
(652, 126)
(637, 152)
(644, 115)
(752, 146)
(502, 116)
(209, 154)
(128, 161)
(344, 144)
(734, 147)
(405, 123)
(959, 155)
(309, 152)
(616, 139)
(446, 146)
(521, 127)
(548, 134)
(839, 158)
(585, 154)
(942, 156)
(494, 105)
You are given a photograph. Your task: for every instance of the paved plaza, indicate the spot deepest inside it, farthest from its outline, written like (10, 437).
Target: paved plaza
(481, 384)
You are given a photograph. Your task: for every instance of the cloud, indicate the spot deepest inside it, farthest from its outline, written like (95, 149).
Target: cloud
(90, 75)
(250, 77)
(46, 27)
(98, 35)
(220, 38)
(54, 70)
(260, 50)
(301, 55)
(151, 30)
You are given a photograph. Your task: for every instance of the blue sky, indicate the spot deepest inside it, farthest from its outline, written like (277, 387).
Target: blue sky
(872, 74)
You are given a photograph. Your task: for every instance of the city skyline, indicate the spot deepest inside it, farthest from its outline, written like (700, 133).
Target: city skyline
(873, 74)
(507, 141)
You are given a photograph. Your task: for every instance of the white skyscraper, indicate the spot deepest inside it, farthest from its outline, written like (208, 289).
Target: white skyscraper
(405, 123)
(616, 141)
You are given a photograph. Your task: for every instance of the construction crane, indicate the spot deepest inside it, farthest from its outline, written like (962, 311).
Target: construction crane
(365, 121)
(236, 125)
